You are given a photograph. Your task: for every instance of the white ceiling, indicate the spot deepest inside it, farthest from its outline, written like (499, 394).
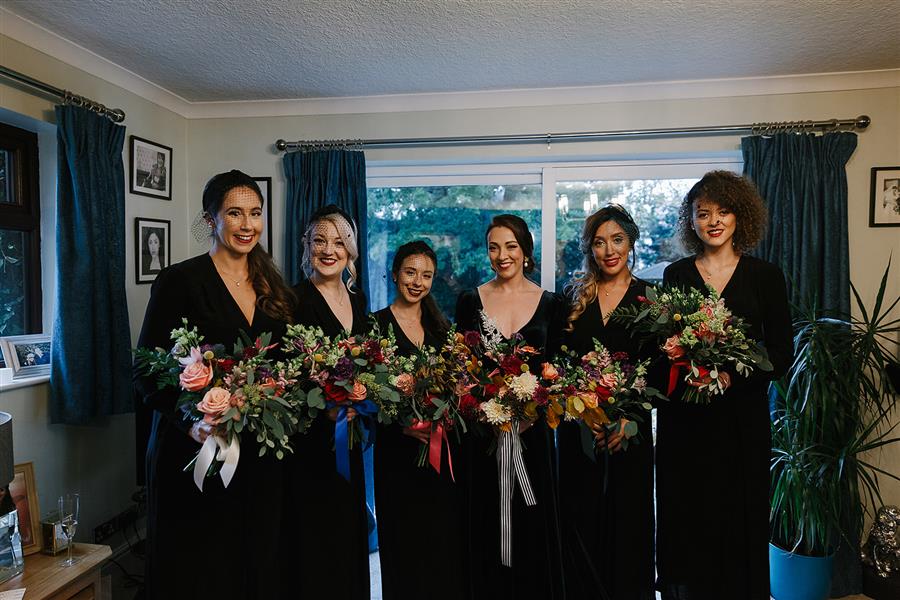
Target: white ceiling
(213, 50)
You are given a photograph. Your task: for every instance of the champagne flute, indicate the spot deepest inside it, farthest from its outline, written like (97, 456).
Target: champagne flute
(69, 505)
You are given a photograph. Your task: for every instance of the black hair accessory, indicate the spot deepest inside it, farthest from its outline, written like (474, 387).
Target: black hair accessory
(330, 209)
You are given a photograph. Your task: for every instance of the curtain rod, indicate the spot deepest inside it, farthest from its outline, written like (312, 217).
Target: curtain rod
(767, 128)
(116, 115)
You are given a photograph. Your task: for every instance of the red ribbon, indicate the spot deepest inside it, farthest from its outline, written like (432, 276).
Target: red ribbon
(677, 365)
(438, 434)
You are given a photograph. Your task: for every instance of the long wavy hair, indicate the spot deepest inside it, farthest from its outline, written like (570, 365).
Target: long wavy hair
(346, 228)
(273, 295)
(432, 317)
(583, 286)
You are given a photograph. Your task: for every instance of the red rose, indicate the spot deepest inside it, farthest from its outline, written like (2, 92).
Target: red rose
(603, 393)
(511, 365)
(490, 390)
(335, 393)
(472, 338)
(226, 364)
(468, 405)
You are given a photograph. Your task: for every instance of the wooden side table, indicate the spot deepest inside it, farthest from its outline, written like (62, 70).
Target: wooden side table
(44, 579)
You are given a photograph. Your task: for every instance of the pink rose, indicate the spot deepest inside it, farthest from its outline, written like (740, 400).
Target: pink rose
(214, 404)
(608, 380)
(359, 392)
(549, 372)
(705, 334)
(672, 348)
(237, 399)
(195, 376)
(406, 383)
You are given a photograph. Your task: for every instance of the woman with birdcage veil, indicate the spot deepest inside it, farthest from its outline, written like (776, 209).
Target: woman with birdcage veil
(221, 542)
(327, 533)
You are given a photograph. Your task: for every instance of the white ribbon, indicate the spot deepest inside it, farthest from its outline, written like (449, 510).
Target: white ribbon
(511, 467)
(229, 454)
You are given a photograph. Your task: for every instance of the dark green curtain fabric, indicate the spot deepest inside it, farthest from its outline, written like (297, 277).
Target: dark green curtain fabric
(315, 179)
(90, 373)
(803, 180)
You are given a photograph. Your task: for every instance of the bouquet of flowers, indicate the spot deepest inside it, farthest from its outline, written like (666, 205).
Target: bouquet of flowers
(598, 389)
(347, 372)
(698, 334)
(232, 392)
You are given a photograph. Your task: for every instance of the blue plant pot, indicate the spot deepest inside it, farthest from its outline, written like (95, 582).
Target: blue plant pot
(797, 577)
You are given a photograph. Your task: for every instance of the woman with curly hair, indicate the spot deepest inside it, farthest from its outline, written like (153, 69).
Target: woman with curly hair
(606, 501)
(712, 460)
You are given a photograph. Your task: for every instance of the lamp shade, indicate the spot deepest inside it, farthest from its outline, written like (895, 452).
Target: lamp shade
(7, 464)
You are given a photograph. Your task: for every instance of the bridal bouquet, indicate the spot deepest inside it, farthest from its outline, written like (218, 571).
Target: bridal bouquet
(698, 334)
(232, 392)
(358, 372)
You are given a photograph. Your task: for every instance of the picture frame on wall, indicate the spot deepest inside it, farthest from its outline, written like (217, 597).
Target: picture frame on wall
(27, 355)
(151, 168)
(23, 492)
(152, 248)
(884, 204)
(265, 186)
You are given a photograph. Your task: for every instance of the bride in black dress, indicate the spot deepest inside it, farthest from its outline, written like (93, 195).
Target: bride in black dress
(606, 501)
(712, 461)
(205, 535)
(516, 306)
(327, 556)
(419, 510)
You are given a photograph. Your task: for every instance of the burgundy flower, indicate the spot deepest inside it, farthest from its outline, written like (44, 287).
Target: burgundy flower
(511, 365)
(472, 338)
(620, 356)
(541, 396)
(468, 405)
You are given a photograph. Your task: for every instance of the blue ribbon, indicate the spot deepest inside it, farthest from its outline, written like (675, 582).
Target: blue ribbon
(365, 411)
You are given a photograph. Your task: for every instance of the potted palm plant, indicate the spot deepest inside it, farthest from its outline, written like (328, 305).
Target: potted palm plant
(833, 407)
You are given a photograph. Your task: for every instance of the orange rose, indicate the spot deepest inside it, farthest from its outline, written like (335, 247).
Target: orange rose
(195, 376)
(214, 404)
(608, 380)
(549, 372)
(359, 392)
(672, 348)
(589, 400)
(406, 383)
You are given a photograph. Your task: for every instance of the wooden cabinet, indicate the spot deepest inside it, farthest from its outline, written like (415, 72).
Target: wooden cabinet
(45, 579)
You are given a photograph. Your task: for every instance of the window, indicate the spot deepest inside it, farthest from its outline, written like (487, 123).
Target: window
(20, 233)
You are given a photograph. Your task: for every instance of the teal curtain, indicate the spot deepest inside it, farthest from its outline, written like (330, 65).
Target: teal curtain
(316, 179)
(90, 373)
(803, 180)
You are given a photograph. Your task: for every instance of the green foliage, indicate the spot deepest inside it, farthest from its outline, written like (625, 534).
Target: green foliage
(835, 408)
(12, 282)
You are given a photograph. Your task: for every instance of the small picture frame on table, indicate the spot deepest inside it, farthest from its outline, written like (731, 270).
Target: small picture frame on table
(265, 186)
(152, 248)
(151, 168)
(27, 355)
(23, 491)
(884, 204)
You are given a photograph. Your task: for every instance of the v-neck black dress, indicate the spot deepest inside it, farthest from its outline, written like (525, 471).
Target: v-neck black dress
(537, 563)
(712, 461)
(419, 511)
(607, 533)
(233, 531)
(328, 555)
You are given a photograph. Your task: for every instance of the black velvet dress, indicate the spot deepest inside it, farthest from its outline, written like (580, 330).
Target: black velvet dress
(537, 563)
(328, 554)
(419, 511)
(222, 542)
(607, 534)
(712, 461)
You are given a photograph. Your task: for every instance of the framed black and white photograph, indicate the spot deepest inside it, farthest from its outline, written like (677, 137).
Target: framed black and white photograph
(151, 168)
(884, 207)
(152, 248)
(27, 355)
(265, 186)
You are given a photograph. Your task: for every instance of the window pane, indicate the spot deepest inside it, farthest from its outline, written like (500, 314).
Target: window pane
(13, 282)
(452, 219)
(653, 203)
(6, 196)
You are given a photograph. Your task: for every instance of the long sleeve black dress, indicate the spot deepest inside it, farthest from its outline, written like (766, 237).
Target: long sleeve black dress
(419, 511)
(607, 534)
(712, 461)
(222, 542)
(537, 569)
(328, 554)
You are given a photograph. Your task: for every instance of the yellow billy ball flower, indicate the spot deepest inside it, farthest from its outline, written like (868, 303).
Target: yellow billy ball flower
(355, 351)
(384, 343)
(319, 358)
(525, 367)
(208, 355)
(676, 317)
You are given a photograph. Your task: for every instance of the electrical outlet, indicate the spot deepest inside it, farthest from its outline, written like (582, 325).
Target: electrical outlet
(104, 530)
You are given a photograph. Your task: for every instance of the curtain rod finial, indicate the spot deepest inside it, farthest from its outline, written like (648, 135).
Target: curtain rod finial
(280, 145)
(863, 121)
(117, 115)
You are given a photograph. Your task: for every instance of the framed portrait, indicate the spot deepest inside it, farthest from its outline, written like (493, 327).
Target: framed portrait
(151, 168)
(884, 205)
(265, 186)
(152, 248)
(23, 491)
(27, 355)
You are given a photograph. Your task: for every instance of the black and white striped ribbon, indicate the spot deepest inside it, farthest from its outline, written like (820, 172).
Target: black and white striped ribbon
(510, 467)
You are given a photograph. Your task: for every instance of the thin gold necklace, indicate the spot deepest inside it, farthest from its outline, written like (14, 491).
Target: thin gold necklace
(340, 301)
(230, 277)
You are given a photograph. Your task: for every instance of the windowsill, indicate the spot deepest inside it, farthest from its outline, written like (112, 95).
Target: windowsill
(7, 382)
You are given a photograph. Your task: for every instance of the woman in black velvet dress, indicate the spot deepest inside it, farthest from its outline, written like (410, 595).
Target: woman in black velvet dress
(233, 288)
(516, 306)
(419, 510)
(712, 469)
(606, 500)
(327, 556)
